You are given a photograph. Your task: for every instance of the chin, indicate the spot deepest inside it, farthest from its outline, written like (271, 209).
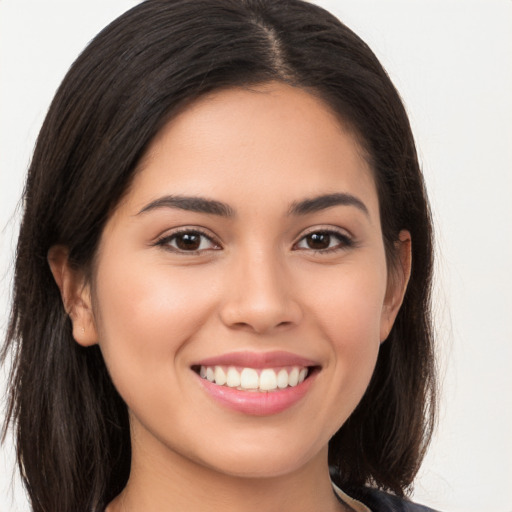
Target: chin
(261, 461)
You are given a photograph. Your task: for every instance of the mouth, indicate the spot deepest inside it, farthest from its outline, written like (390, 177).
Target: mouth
(256, 383)
(255, 379)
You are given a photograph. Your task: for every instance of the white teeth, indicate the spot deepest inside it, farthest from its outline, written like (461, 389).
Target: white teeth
(249, 379)
(293, 378)
(220, 376)
(282, 379)
(266, 379)
(233, 378)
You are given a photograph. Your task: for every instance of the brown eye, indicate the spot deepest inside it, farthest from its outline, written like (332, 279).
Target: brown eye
(188, 241)
(318, 241)
(324, 241)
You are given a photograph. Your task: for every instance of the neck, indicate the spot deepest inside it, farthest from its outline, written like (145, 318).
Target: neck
(165, 481)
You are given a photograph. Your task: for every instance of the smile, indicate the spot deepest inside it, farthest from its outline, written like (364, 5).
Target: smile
(252, 379)
(255, 383)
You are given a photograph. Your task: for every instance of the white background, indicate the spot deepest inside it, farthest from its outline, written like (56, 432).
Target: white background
(452, 62)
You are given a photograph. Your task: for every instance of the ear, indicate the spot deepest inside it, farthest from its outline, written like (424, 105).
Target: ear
(76, 295)
(397, 284)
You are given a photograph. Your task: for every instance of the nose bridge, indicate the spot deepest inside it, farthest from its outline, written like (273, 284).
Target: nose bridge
(260, 296)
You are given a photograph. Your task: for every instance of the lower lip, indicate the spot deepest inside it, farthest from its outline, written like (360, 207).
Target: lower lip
(257, 403)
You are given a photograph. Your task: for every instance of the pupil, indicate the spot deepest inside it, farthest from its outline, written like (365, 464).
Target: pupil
(318, 241)
(188, 242)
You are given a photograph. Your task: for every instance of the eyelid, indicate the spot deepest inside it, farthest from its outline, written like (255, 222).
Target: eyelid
(347, 240)
(163, 239)
(325, 228)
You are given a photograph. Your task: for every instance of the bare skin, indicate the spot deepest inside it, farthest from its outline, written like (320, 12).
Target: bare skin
(284, 254)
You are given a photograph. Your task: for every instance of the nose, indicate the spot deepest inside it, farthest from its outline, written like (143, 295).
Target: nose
(260, 297)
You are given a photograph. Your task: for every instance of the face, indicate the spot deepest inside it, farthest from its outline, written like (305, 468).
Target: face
(241, 290)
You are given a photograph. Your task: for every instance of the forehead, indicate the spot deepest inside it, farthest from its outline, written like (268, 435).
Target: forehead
(254, 142)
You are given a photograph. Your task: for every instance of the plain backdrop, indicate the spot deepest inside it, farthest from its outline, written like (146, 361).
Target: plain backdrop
(452, 62)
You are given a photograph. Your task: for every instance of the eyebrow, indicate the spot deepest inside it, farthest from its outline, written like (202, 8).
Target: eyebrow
(192, 204)
(213, 207)
(325, 201)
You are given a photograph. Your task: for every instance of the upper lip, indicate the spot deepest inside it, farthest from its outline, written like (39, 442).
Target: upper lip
(247, 359)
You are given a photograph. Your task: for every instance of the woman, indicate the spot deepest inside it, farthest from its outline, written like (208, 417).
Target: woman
(223, 271)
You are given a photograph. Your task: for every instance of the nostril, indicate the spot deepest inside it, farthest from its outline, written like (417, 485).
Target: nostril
(260, 320)
(260, 301)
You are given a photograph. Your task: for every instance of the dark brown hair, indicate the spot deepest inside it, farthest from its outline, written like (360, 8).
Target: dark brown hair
(72, 431)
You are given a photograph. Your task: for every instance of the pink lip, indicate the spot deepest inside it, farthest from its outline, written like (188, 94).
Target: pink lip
(257, 360)
(257, 403)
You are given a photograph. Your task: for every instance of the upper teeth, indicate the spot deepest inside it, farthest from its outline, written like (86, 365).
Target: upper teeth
(266, 379)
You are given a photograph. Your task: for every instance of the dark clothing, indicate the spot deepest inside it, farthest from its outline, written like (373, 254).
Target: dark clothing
(379, 501)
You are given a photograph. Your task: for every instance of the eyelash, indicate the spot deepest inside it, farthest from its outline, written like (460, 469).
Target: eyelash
(344, 241)
(167, 240)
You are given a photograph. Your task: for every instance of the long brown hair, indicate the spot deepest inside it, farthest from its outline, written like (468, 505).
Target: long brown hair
(72, 431)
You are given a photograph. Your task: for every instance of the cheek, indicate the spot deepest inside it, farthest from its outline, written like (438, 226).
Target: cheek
(349, 312)
(146, 314)
(349, 305)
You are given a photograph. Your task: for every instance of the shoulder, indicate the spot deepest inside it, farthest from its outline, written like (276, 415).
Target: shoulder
(379, 501)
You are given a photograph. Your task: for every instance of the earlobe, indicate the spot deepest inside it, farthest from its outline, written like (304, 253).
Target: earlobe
(397, 284)
(75, 294)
